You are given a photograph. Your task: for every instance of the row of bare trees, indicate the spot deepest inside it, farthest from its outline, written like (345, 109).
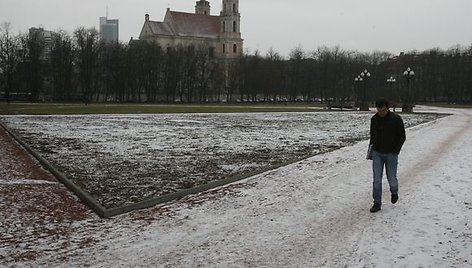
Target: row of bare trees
(79, 67)
(82, 68)
(329, 74)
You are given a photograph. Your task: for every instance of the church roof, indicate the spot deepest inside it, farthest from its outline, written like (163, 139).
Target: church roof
(186, 24)
(189, 24)
(160, 28)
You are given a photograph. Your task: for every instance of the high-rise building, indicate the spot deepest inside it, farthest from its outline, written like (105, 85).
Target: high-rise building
(109, 29)
(45, 38)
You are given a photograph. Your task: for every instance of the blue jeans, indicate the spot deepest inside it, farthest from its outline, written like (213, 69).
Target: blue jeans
(390, 161)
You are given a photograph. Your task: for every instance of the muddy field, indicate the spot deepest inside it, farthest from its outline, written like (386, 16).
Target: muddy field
(123, 159)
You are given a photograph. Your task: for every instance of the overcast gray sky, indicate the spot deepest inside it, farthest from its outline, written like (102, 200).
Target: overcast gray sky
(363, 25)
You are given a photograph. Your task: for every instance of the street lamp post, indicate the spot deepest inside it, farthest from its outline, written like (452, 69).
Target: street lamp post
(391, 80)
(357, 81)
(365, 75)
(407, 106)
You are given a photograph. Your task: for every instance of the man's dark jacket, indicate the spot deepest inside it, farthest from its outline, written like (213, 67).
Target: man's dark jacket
(387, 134)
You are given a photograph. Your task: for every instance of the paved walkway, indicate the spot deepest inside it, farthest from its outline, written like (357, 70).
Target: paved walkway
(33, 205)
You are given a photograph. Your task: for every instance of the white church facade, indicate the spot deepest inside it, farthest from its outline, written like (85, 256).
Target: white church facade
(221, 34)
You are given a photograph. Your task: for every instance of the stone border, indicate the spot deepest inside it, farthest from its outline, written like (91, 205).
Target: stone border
(106, 213)
(84, 196)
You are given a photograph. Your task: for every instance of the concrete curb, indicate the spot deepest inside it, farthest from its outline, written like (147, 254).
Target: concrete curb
(84, 196)
(198, 189)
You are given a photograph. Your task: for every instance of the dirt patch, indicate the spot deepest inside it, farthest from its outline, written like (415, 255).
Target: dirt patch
(123, 159)
(35, 209)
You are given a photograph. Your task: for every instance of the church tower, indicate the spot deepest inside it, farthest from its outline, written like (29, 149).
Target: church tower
(202, 7)
(230, 29)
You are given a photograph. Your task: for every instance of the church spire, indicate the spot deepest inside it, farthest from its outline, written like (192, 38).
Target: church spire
(231, 18)
(202, 7)
(230, 8)
(230, 29)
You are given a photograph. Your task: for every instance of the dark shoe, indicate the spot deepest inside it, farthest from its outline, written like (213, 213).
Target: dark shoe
(394, 198)
(375, 208)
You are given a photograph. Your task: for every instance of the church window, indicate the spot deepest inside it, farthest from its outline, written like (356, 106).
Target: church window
(234, 27)
(224, 48)
(211, 52)
(235, 48)
(224, 26)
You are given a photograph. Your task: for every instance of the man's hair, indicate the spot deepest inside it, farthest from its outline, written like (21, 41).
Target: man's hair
(381, 103)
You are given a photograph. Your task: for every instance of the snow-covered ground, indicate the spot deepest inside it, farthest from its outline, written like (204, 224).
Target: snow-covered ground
(124, 159)
(313, 213)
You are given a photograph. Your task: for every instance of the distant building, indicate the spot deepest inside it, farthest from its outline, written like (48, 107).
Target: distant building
(109, 29)
(46, 39)
(220, 34)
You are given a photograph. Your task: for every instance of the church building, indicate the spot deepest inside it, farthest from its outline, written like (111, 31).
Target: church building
(220, 34)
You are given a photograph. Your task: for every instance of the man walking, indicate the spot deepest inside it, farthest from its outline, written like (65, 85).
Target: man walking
(387, 135)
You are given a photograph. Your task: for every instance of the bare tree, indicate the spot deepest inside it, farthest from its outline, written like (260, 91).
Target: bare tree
(203, 74)
(9, 59)
(113, 72)
(172, 72)
(189, 74)
(61, 62)
(87, 41)
(34, 46)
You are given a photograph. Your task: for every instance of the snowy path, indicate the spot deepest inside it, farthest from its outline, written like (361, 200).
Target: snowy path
(315, 213)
